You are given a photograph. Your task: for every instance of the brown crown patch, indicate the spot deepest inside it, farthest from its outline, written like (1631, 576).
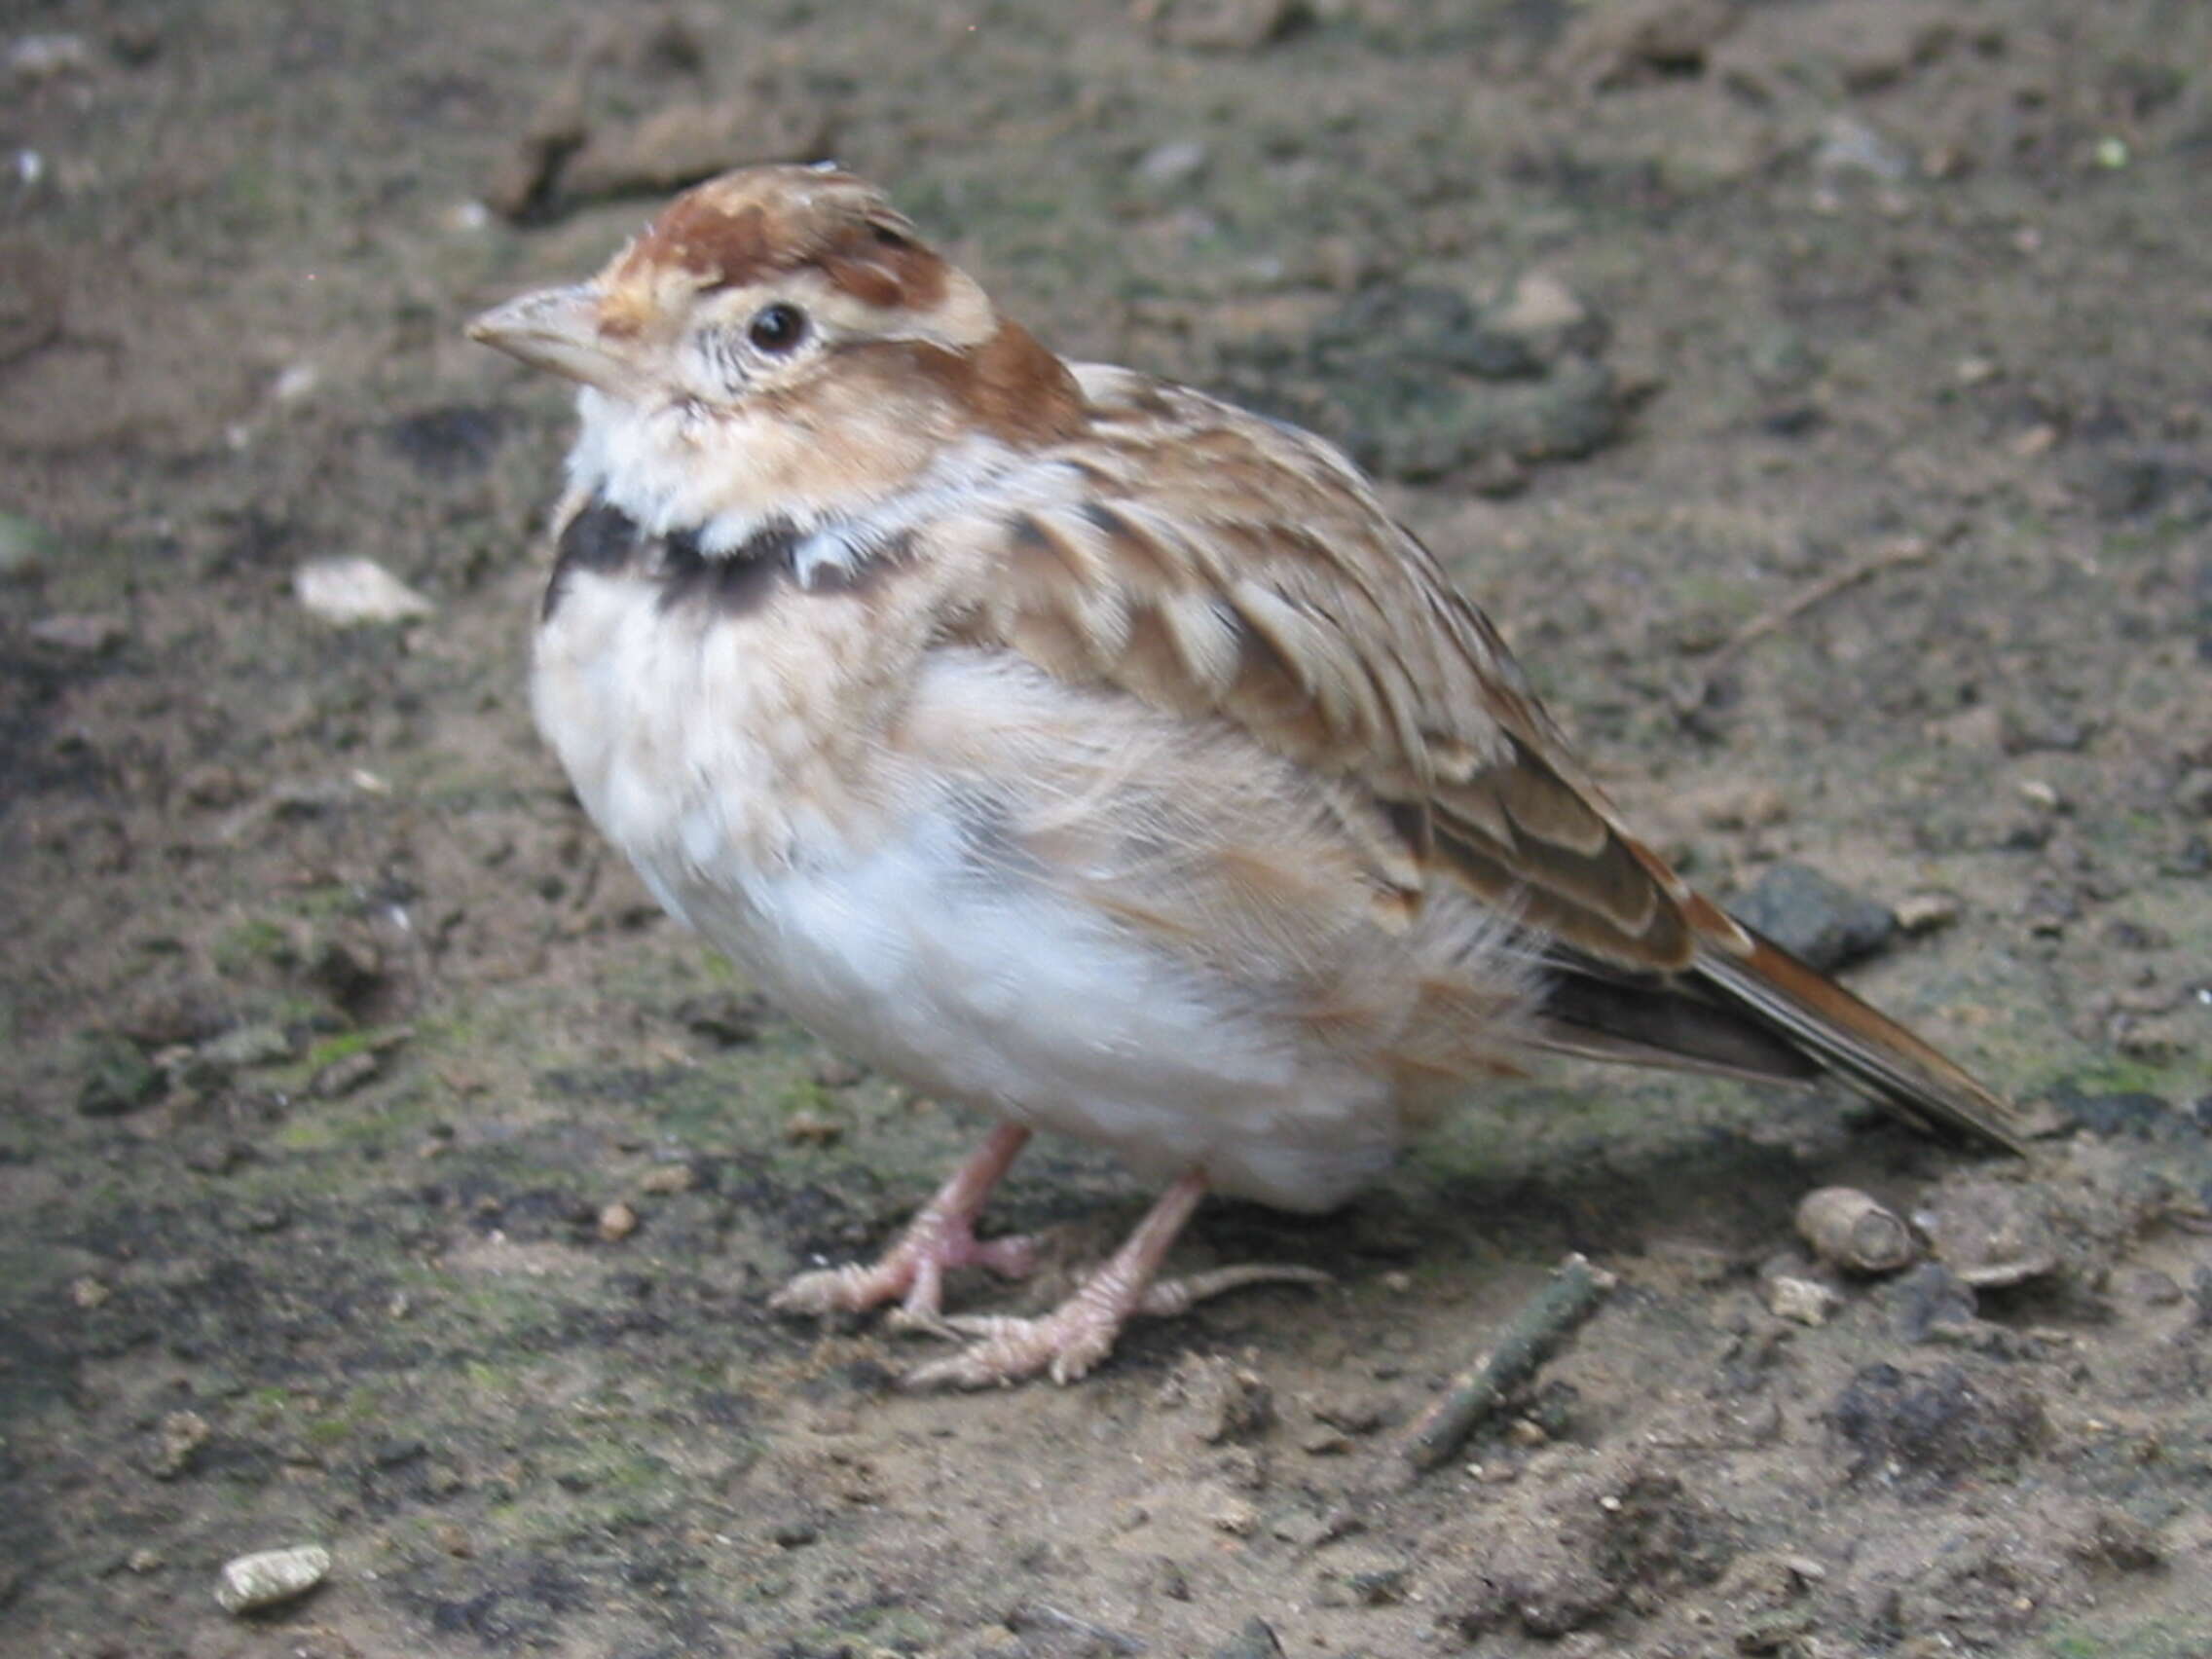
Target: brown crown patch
(752, 225)
(1011, 385)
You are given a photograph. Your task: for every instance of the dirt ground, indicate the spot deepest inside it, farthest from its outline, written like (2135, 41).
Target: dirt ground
(380, 1171)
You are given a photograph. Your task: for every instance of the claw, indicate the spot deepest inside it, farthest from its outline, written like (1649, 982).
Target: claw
(940, 1236)
(1077, 1334)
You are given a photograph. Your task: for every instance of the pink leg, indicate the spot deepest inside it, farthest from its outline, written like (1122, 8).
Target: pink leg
(1079, 1333)
(941, 1235)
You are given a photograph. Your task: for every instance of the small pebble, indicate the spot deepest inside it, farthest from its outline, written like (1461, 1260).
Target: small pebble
(1804, 1301)
(1257, 1639)
(89, 634)
(1176, 161)
(182, 1435)
(1813, 916)
(1925, 912)
(1849, 1229)
(1545, 316)
(617, 1222)
(44, 56)
(348, 1073)
(352, 590)
(1988, 1235)
(262, 1581)
(246, 1047)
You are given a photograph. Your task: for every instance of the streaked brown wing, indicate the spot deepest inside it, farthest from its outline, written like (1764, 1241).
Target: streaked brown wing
(1214, 563)
(1217, 564)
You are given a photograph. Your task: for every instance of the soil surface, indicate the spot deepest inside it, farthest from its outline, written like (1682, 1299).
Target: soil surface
(1818, 392)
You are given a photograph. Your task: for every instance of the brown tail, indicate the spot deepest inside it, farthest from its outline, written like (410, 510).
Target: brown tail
(1758, 1012)
(1860, 1043)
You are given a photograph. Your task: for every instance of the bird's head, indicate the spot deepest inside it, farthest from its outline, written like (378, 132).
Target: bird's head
(780, 332)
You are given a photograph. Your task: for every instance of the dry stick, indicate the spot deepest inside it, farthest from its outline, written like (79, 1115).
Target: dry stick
(1532, 1337)
(1906, 549)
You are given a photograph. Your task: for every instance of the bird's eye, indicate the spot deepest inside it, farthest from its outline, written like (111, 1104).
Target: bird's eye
(777, 328)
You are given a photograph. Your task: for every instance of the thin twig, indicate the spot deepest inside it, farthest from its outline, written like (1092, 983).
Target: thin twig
(1532, 1337)
(1891, 555)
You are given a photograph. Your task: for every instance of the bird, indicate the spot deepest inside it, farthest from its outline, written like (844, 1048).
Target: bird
(1076, 746)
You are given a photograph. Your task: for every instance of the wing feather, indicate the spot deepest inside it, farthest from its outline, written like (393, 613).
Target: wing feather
(1210, 562)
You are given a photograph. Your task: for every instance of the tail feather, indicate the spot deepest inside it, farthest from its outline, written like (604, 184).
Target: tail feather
(1759, 1013)
(1861, 1043)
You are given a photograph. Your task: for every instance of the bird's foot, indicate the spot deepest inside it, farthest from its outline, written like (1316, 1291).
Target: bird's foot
(940, 1236)
(1067, 1343)
(911, 1273)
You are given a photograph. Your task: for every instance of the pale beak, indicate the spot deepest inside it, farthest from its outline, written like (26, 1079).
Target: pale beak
(559, 329)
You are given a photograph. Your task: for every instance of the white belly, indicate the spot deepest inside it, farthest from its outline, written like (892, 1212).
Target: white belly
(994, 990)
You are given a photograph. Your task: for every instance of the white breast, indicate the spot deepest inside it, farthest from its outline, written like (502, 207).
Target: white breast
(868, 899)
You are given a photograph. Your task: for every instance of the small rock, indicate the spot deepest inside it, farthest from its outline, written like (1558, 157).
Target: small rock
(348, 1073)
(241, 1049)
(1378, 1586)
(88, 1292)
(1174, 163)
(1803, 1301)
(90, 634)
(1256, 1640)
(1988, 1233)
(352, 590)
(263, 1580)
(812, 1128)
(1546, 319)
(669, 1178)
(617, 1222)
(723, 1018)
(1850, 146)
(1235, 1516)
(1849, 1229)
(2161, 1040)
(182, 1434)
(1776, 1630)
(1815, 918)
(1927, 1301)
(1927, 912)
(44, 56)
(1629, 42)
(795, 1531)
(2115, 1539)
